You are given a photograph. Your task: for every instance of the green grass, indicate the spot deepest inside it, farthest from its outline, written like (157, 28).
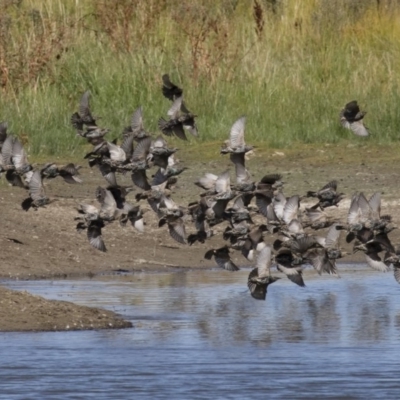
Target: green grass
(290, 79)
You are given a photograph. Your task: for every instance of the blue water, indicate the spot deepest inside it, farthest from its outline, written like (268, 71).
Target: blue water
(199, 335)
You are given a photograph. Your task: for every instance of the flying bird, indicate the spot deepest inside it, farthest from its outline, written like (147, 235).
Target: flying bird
(260, 277)
(352, 118)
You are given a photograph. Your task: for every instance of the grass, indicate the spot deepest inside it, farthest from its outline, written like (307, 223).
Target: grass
(289, 65)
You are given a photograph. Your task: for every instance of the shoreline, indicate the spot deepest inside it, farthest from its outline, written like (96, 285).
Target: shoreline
(44, 244)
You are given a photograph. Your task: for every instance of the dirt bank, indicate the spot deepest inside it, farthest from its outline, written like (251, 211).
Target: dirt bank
(44, 244)
(21, 311)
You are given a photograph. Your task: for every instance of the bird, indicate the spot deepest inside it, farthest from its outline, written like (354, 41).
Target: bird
(236, 143)
(37, 196)
(324, 259)
(135, 216)
(176, 227)
(317, 219)
(15, 161)
(68, 172)
(288, 264)
(260, 277)
(94, 234)
(136, 127)
(222, 258)
(327, 196)
(372, 257)
(169, 89)
(352, 118)
(84, 115)
(180, 118)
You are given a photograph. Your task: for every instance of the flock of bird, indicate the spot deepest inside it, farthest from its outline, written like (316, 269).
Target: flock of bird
(239, 205)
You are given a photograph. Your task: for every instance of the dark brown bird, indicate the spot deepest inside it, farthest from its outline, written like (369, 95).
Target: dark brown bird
(94, 234)
(68, 172)
(351, 118)
(176, 227)
(170, 90)
(180, 117)
(84, 115)
(222, 258)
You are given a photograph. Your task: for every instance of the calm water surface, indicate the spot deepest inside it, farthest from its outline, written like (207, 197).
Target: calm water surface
(199, 335)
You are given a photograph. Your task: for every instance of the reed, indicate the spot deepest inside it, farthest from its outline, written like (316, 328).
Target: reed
(289, 65)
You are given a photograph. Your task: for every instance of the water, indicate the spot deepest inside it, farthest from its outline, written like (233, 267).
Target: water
(199, 335)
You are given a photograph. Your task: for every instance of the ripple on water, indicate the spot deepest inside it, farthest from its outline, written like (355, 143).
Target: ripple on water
(199, 335)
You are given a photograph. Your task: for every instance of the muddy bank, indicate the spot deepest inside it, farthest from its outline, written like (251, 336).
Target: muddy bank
(21, 311)
(44, 244)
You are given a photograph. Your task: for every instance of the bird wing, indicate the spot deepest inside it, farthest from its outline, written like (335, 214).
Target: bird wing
(159, 177)
(354, 215)
(175, 109)
(278, 203)
(139, 178)
(332, 237)
(236, 136)
(316, 215)
(223, 183)
(88, 209)
(36, 189)
(179, 131)
(84, 107)
(397, 274)
(375, 205)
(137, 120)
(294, 274)
(192, 128)
(127, 146)
(108, 203)
(257, 290)
(358, 128)
(177, 230)
(375, 262)
(159, 142)
(142, 149)
(295, 226)
(263, 200)
(207, 181)
(108, 174)
(291, 209)
(318, 259)
(264, 262)
(116, 152)
(19, 157)
(95, 237)
(330, 185)
(224, 261)
(7, 150)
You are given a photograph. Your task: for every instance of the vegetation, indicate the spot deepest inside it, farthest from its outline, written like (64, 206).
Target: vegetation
(289, 65)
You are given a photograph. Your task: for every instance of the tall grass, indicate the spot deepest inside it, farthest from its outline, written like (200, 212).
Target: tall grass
(289, 65)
